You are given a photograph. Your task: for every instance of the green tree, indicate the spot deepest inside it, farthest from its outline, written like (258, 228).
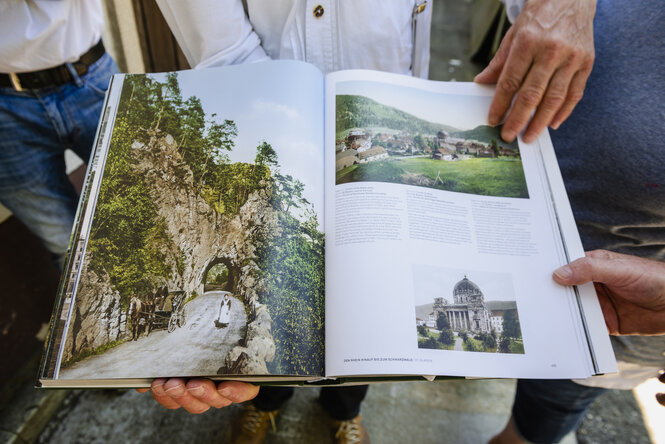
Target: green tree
(504, 345)
(495, 148)
(442, 321)
(447, 337)
(511, 325)
(422, 330)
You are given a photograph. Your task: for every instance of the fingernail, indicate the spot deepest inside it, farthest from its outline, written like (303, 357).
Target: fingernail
(555, 125)
(225, 392)
(493, 120)
(196, 391)
(564, 273)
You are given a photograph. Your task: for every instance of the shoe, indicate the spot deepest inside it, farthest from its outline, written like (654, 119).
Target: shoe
(350, 432)
(251, 427)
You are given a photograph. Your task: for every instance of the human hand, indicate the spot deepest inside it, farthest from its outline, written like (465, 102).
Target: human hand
(198, 395)
(543, 63)
(631, 290)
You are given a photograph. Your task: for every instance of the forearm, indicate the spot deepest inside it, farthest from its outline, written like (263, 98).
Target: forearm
(213, 32)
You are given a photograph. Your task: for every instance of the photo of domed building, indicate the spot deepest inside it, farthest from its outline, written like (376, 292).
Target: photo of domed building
(468, 311)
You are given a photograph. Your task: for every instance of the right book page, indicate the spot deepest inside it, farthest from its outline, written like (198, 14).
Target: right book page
(441, 240)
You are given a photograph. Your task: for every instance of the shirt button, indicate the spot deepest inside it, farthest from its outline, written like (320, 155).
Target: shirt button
(318, 11)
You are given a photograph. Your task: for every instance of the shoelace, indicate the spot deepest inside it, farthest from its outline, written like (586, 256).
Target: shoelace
(255, 418)
(350, 430)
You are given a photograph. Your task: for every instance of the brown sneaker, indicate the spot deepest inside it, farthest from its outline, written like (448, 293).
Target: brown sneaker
(251, 427)
(350, 432)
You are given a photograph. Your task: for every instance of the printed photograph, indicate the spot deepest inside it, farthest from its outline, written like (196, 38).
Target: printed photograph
(208, 209)
(397, 134)
(466, 310)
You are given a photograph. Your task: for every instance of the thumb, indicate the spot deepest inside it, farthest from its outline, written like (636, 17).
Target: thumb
(587, 269)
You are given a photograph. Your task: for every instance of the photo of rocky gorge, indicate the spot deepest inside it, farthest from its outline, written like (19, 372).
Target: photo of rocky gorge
(196, 264)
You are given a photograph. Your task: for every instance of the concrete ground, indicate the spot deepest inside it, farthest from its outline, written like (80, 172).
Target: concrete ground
(418, 412)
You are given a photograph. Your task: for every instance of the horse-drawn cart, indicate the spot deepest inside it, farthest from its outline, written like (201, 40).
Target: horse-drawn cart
(171, 314)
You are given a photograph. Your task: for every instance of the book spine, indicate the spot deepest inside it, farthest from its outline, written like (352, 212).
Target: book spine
(74, 256)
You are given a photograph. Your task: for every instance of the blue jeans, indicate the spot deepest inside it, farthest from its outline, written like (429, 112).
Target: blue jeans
(36, 126)
(546, 410)
(612, 155)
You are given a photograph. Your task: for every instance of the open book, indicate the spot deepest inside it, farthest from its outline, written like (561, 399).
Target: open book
(199, 243)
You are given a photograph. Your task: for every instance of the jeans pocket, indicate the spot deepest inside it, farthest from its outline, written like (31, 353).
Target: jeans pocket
(99, 74)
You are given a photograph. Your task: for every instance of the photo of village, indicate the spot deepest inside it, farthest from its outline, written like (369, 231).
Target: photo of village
(466, 311)
(382, 143)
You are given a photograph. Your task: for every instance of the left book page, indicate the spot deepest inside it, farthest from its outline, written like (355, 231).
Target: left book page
(198, 249)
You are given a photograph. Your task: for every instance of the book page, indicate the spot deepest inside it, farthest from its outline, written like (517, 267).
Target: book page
(440, 238)
(202, 245)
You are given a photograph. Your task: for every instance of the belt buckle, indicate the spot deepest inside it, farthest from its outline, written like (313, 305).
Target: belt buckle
(16, 83)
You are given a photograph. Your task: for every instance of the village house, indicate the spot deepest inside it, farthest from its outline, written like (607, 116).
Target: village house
(359, 140)
(372, 154)
(345, 159)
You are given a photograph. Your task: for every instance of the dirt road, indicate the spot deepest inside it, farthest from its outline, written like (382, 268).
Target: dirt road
(196, 349)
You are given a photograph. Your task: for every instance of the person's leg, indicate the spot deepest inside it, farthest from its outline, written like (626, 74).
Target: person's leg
(546, 410)
(35, 129)
(343, 406)
(343, 403)
(272, 398)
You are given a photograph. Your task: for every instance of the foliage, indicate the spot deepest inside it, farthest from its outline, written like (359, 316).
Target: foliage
(442, 322)
(511, 325)
(131, 243)
(446, 337)
(504, 345)
(428, 343)
(293, 261)
(361, 112)
(422, 330)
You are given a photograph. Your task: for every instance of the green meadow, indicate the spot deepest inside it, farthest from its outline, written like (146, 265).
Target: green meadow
(483, 176)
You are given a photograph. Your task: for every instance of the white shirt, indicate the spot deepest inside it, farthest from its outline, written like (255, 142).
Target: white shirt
(40, 34)
(373, 34)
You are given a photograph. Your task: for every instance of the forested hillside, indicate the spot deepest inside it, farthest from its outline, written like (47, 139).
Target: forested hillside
(362, 112)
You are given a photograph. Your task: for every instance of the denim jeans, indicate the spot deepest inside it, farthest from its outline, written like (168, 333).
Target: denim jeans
(547, 410)
(611, 153)
(36, 127)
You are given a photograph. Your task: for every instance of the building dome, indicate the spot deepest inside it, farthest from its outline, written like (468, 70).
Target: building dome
(466, 287)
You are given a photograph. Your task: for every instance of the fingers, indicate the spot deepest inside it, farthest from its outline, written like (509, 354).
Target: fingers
(198, 395)
(237, 391)
(598, 266)
(551, 103)
(511, 78)
(575, 93)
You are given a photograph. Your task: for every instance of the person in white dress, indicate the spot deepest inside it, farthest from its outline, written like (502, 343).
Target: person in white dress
(224, 312)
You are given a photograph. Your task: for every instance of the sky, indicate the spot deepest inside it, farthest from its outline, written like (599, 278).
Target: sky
(434, 281)
(279, 106)
(460, 111)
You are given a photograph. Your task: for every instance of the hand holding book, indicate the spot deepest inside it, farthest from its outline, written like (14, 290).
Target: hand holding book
(631, 290)
(198, 395)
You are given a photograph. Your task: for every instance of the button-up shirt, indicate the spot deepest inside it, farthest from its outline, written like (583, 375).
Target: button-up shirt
(40, 34)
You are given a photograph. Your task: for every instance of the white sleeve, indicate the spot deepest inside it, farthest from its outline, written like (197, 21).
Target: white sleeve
(213, 32)
(513, 8)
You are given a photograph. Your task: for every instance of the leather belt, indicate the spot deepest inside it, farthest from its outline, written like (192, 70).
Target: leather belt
(58, 75)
